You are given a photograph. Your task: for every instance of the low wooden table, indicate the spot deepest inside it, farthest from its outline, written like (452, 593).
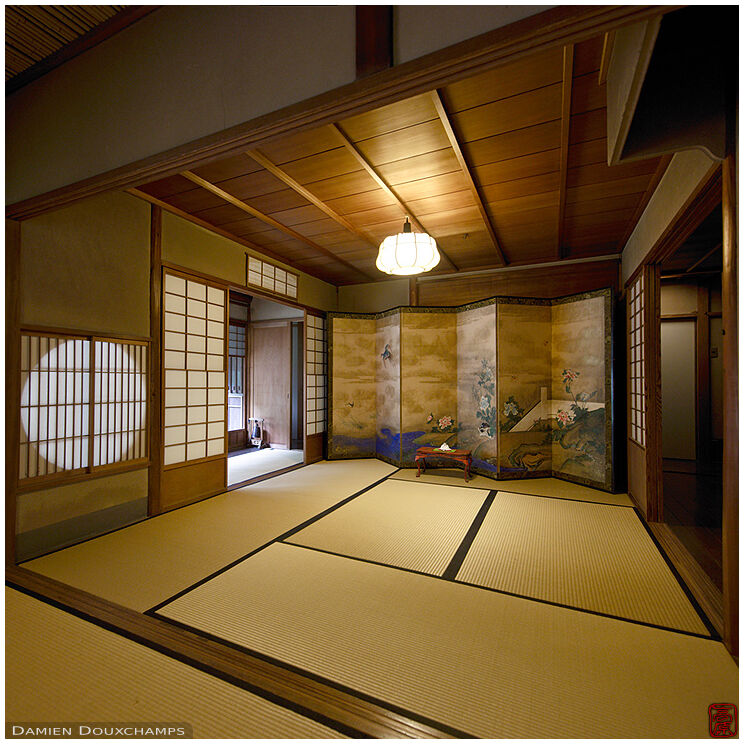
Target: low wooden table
(458, 455)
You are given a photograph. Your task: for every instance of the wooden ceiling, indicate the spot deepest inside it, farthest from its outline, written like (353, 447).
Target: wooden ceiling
(505, 168)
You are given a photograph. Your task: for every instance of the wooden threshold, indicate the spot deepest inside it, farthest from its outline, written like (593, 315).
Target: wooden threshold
(707, 594)
(337, 708)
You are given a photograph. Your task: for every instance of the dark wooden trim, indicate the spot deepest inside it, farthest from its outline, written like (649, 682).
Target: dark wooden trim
(647, 194)
(155, 378)
(652, 325)
(703, 434)
(310, 697)
(269, 220)
(124, 18)
(702, 588)
(66, 477)
(83, 333)
(704, 258)
(704, 199)
(374, 39)
(552, 28)
(679, 316)
(12, 381)
(730, 304)
(604, 65)
(568, 57)
(444, 118)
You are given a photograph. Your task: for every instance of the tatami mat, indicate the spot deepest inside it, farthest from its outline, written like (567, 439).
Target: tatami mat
(591, 556)
(418, 528)
(249, 465)
(538, 486)
(484, 663)
(65, 669)
(142, 565)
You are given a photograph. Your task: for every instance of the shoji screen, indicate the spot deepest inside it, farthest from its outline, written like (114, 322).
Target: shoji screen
(193, 370)
(316, 375)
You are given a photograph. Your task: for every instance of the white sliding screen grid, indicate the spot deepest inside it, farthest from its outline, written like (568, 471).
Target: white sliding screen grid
(636, 360)
(316, 374)
(56, 411)
(193, 370)
(272, 278)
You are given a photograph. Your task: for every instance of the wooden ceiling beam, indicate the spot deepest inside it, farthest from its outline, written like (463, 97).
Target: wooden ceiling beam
(704, 258)
(228, 197)
(568, 55)
(264, 162)
(465, 168)
(352, 148)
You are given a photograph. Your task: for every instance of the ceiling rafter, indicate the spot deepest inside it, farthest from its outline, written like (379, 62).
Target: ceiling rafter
(568, 57)
(697, 263)
(228, 197)
(275, 170)
(465, 168)
(352, 148)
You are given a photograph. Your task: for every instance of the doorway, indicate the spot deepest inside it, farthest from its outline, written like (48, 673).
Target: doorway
(692, 395)
(264, 388)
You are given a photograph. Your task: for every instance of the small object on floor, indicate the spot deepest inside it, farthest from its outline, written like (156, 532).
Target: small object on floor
(464, 456)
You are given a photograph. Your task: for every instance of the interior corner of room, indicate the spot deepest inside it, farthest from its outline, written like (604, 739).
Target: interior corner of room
(194, 312)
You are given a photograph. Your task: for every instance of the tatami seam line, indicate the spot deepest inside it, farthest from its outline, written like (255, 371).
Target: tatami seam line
(279, 538)
(193, 663)
(506, 592)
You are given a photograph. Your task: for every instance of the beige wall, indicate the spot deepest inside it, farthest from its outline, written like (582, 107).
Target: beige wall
(187, 71)
(684, 174)
(374, 297)
(87, 267)
(194, 247)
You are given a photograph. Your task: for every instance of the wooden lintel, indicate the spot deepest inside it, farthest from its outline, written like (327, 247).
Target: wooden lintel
(455, 144)
(568, 55)
(268, 219)
(352, 148)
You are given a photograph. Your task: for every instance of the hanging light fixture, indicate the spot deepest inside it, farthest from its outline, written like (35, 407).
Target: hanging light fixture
(407, 252)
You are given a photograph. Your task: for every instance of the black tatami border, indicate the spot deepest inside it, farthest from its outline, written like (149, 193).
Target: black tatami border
(281, 537)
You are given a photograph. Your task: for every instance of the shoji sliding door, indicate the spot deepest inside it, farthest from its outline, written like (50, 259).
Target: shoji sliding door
(194, 401)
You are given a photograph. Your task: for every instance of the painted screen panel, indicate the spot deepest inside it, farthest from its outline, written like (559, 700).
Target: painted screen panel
(354, 388)
(477, 396)
(428, 381)
(579, 390)
(524, 344)
(387, 359)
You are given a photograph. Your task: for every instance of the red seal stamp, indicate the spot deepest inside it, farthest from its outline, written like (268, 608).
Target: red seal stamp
(722, 720)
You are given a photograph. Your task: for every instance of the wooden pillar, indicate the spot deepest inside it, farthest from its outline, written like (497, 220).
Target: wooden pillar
(652, 326)
(730, 410)
(12, 380)
(374, 39)
(702, 365)
(156, 384)
(412, 291)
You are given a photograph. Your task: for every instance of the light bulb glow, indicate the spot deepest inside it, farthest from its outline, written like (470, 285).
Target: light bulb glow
(407, 253)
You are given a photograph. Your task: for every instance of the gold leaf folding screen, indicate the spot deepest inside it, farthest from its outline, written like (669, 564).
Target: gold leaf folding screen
(524, 384)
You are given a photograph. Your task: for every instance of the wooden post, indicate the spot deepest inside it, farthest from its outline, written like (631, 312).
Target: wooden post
(702, 365)
(12, 380)
(155, 434)
(730, 410)
(652, 325)
(374, 39)
(412, 291)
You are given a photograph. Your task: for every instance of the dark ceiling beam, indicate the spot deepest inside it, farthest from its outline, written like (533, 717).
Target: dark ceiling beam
(230, 199)
(352, 148)
(374, 39)
(465, 168)
(568, 55)
(275, 170)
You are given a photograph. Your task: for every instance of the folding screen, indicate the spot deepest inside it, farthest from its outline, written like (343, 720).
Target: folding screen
(522, 383)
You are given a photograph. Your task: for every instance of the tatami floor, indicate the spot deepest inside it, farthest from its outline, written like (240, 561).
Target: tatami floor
(527, 609)
(247, 465)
